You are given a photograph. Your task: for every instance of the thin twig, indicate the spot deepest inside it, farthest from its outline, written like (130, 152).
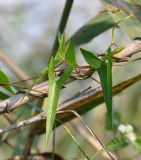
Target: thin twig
(18, 125)
(42, 116)
(92, 133)
(16, 70)
(75, 104)
(15, 101)
(38, 91)
(90, 139)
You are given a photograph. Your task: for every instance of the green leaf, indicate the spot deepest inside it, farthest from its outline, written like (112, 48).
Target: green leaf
(76, 142)
(137, 143)
(65, 75)
(116, 144)
(91, 59)
(70, 54)
(63, 54)
(3, 95)
(4, 79)
(105, 74)
(117, 50)
(53, 96)
(97, 25)
(127, 22)
(102, 72)
(60, 55)
(52, 101)
(51, 73)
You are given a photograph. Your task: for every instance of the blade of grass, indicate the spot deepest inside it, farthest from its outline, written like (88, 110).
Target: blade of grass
(74, 139)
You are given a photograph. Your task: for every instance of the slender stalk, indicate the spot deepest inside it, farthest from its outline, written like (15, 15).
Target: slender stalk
(62, 25)
(75, 141)
(14, 68)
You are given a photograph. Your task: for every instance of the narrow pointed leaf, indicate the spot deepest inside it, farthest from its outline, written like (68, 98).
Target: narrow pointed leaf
(51, 103)
(53, 96)
(87, 103)
(3, 95)
(104, 72)
(4, 78)
(70, 54)
(97, 25)
(91, 59)
(52, 100)
(116, 144)
(60, 52)
(51, 72)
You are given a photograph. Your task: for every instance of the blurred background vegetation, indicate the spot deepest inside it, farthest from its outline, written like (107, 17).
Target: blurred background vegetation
(27, 33)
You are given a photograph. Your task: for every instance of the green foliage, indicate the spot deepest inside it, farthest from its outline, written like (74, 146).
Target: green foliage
(4, 79)
(63, 54)
(91, 59)
(120, 17)
(70, 54)
(97, 25)
(117, 143)
(125, 19)
(117, 50)
(137, 143)
(122, 141)
(60, 52)
(76, 142)
(104, 70)
(52, 101)
(3, 95)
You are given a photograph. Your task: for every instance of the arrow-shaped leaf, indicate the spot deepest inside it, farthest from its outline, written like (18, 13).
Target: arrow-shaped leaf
(52, 101)
(105, 74)
(60, 52)
(53, 96)
(67, 54)
(91, 59)
(70, 54)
